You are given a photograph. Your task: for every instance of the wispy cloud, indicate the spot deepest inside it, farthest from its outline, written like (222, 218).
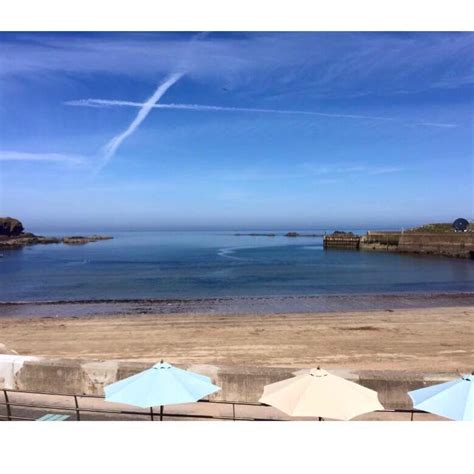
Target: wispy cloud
(436, 124)
(8, 155)
(329, 65)
(112, 146)
(103, 103)
(384, 170)
(354, 169)
(323, 173)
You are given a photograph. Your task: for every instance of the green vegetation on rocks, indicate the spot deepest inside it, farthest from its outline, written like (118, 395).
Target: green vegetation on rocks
(437, 228)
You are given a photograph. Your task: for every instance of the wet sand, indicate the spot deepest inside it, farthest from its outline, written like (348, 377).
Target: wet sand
(427, 339)
(239, 305)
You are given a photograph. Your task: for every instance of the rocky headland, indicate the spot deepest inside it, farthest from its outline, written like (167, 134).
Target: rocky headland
(12, 235)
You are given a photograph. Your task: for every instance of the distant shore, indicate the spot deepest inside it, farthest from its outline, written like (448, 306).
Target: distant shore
(274, 234)
(237, 305)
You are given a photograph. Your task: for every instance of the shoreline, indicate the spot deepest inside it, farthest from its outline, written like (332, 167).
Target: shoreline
(336, 303)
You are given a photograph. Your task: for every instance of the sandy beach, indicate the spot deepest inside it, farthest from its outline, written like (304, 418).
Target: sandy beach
(430, 339)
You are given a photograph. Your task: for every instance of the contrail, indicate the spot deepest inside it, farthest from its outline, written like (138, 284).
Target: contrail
(7, 155)
(102, 103)
(112, 146)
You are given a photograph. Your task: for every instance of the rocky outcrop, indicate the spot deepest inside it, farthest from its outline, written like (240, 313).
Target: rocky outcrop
(288, 234)
(12, 236)
(81, 240)
(10, 226)
(31, 239)
(257, 234)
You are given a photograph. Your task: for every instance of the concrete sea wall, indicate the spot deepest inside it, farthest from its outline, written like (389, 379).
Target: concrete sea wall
(450, 244)
(460, 244)
(238, 383)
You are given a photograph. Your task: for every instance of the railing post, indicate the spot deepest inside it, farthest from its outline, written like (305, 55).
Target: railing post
(412, 415)
(151, 413)
(233, 411)
(76, 403)
(161, 413)
(9, 410)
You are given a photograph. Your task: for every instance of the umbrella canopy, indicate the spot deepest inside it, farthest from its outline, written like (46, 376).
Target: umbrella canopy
(160, 385)
(454, 399)
(321, 394)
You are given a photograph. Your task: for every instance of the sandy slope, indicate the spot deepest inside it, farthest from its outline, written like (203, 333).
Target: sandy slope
(417, 339)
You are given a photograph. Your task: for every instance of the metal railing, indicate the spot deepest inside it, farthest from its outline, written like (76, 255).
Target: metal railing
(77, 411)
(151, 414)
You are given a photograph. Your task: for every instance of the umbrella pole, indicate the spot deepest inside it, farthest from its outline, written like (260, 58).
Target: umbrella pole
(161, 413)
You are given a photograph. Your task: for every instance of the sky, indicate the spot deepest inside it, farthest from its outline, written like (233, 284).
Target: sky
(143, 131)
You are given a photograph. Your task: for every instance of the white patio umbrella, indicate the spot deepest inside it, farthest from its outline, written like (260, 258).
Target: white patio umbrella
(320, 394)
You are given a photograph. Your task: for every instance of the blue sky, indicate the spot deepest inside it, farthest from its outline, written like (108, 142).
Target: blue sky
(248, 130)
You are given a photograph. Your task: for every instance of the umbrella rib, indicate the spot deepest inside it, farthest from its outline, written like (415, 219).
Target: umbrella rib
(183, 386)
(196, 380)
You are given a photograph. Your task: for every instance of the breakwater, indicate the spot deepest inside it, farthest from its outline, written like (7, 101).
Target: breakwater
(452, 244)
(449, 244)
(341, 240)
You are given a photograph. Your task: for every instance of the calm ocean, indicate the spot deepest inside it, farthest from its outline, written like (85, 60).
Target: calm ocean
(190, 265)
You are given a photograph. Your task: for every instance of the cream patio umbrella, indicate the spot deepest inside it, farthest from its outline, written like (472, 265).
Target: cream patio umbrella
(320, 394)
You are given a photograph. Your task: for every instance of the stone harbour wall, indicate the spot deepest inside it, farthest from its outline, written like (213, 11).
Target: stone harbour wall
(459, 244)
(448, 244)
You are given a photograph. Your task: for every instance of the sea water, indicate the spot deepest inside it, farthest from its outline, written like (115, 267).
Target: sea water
(193, 265)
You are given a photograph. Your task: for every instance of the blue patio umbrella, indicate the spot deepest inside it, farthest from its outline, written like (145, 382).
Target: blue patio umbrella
(160, 385)
(454, 399)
